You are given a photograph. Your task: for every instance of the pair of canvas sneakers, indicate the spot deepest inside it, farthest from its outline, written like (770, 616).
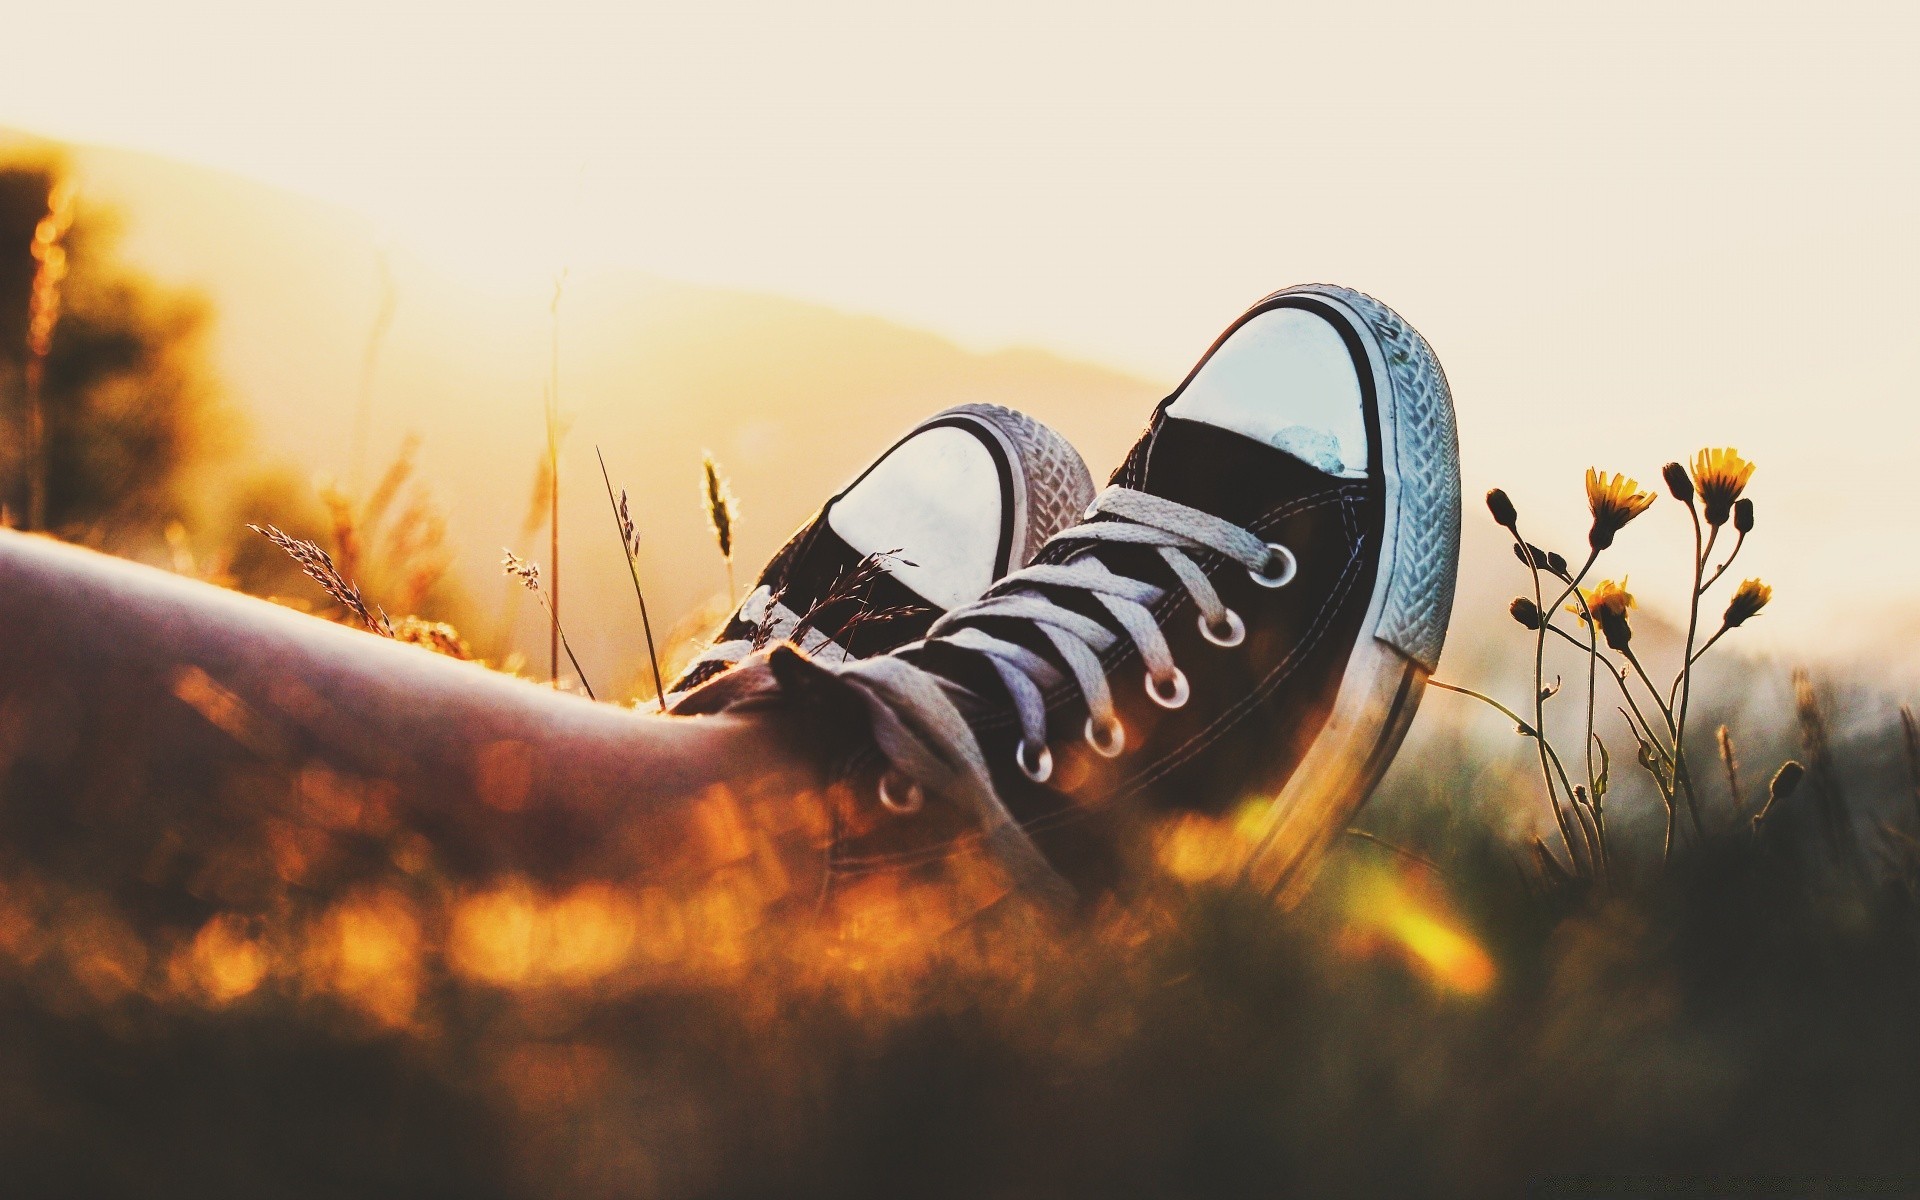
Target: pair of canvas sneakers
(998, 660)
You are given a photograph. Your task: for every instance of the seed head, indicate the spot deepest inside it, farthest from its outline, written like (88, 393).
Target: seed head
(1504, 514)
(1721, 475)
(628, 535)
(721, 507)
(318, 566)
(1613, 503)
(1748, 600)
(528, 573)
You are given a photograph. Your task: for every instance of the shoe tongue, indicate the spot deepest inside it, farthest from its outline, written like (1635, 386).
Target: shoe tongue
(1227, 474)
(1195, 463)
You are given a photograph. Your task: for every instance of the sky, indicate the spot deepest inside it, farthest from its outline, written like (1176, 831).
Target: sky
(1630, 231)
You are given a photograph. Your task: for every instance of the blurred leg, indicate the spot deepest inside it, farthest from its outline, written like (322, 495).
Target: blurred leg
(163, 738)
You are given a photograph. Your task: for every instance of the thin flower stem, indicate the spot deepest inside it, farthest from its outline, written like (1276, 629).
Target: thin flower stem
(1644, 726)
(1739, 541)
(1673, 762)
(1483, 698)
(564, 645)
(1595, 854)
(1682, 776)
(1402, 851)
(1652, 691)
(1592, 651)
(1708, 645)
(1539, 688)
(1673, 693)
(1547, 752)
(1619, 677)
(1590, 833)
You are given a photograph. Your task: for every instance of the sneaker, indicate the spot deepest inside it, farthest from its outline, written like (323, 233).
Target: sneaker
(1249, 612)
(966, 496)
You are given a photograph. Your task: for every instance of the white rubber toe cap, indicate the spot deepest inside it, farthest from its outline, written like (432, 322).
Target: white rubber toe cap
(1286, 380)
(935, 503)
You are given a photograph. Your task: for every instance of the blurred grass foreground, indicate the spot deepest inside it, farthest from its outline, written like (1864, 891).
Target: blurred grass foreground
(1508, 981)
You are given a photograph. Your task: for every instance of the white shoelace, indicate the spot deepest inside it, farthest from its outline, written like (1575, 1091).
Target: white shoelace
(920, 729)
(1146, 520)
(916, 717)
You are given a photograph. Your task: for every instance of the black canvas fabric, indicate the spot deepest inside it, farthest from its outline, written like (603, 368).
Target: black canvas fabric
(1255, 708)
(817, 576)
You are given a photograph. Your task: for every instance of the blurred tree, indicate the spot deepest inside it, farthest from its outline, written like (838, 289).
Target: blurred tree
(113, 431)
(130, 409)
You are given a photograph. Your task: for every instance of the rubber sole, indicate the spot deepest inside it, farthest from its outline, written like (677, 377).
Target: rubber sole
(1406, 621)
(1051, 487)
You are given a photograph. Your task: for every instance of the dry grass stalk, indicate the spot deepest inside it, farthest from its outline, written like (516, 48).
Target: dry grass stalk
(630, 547)
(369, 362)
(1732, 765)
(318, 566)
(402, 559)
(847, 603)
(344, 528)
(551, 596)
(722, 511)
(528, 573)
(414, 551)
(392, 480)
(43, 316)
(1835, 821)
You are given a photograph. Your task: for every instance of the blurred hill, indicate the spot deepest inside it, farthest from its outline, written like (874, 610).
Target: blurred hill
(790, 397)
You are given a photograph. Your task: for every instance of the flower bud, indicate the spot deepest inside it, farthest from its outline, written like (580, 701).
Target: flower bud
(1616, 631)
(1748, 600)
(1526, 612)
(1743, 515)
(1606, 606)
(1678, 484)
(1504, 514)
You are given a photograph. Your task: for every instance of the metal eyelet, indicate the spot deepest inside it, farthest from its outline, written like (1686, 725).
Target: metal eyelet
(913, 802)
(1181, 690)
(1115, 743)
(1042, 770)
(1235, 634)
(1281, 557)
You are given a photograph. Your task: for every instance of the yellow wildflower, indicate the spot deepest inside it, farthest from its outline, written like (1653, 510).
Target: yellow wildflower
(1721, 475)
(1613, 502)
(1748, 600)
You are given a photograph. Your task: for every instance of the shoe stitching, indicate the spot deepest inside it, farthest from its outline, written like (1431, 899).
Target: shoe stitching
(1179, 756)
(1176, 600)
(1186, 750)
